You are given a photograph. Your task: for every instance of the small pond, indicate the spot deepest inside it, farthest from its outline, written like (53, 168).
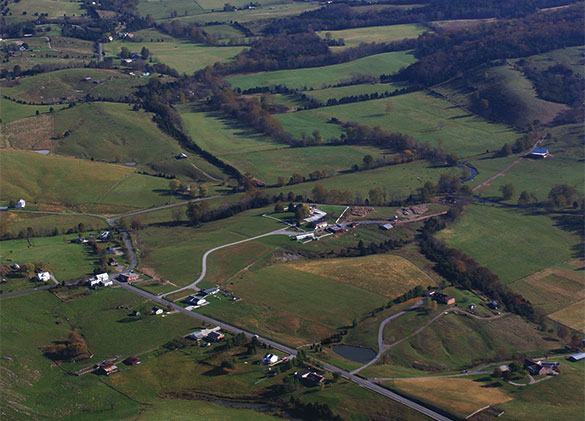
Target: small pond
(355, 353)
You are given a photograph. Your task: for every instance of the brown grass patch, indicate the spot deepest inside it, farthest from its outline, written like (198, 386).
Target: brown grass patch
(387, 275)
(572, 316)
(459, 396)
(30, 133)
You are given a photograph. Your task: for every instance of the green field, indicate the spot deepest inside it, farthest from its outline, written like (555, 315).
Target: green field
(325, 94)
(66, 261)
(45, 224)
(30, 10)
(569, 56)
(183, 56)
(454, 342)
(60, 181)
(512, 85)
(510, 243)
(291, 305)
(356, 36)
(327, 75)
(422, 116)
(11, 111)
(69, 85)
(112, 132)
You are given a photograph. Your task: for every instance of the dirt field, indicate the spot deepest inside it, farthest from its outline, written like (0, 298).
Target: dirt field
(572, 316)
(460, 396)
(387, 275)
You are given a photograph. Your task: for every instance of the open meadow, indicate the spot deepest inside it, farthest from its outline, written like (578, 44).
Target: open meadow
(356, 36)
(183, 56)
(70, 85)
(54, 182)
(319, 77)
(512, 243)
(11, 111)
(426, 118)
(30, 10)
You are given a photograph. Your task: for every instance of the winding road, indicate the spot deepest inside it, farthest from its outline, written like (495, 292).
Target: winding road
(193, 285)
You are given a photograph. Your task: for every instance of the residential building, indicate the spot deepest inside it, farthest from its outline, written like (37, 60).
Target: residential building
(43, 276)
(157, 310)
(269, 359)
(132, 360)
(539, 153)
(215, 336)
(443, 298)
(321, 225)
(128, 277)
(21, 204)
(386, 227)
(541, 368)
(203, 333)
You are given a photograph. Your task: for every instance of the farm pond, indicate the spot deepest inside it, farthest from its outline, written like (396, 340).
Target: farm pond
(354, 353)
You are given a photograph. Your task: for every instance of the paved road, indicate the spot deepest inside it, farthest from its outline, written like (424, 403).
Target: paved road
(193, 285)
(381, 346)
(365, 383)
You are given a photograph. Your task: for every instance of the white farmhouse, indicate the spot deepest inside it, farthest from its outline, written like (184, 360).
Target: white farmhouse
(43, 276)
(21, 204)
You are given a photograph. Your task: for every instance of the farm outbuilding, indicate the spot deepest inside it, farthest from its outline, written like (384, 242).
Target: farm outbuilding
(539, 153)
(386, 227)
(21, 204)
(577, 357)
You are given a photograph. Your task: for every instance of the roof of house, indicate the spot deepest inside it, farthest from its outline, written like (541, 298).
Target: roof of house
(578, 356)
(215, 335)
(540, 150)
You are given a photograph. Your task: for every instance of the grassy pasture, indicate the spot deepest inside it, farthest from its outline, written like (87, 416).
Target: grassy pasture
(327, 75)
(569, 56)
(63, 259)
(383, 274)
(261, 14)
(329, 93)
(163, 9)
(54, 9)
(72, 45)
(34, 387)
(511, 84)
(292, 305)
(356, 36)
(446, 344)
(220, 135)
(397, 180)
(184, 56)
(11, 111)
(18, 221)
(460, 397)
(57, 181)
(267, 165)
(513, 244)
(553, 289)
(68, 85)
(166, 250)
(112, 132)
(422, 116)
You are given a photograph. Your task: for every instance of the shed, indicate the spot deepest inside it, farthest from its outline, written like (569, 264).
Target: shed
(577, 357)
(386, 227)
(539, 153)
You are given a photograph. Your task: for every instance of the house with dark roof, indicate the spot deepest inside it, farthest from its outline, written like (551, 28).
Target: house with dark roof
(539, 153)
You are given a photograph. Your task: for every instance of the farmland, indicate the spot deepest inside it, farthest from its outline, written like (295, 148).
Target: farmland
(22, 11)
(184, 56)
(422, 116)
(70, 85)
(329, 93)
(354, 37)
(66, 261)
(327, 75)
(75, 182)
(11, 111)
(513, 244)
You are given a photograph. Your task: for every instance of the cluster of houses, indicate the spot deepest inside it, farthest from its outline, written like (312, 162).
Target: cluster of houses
(541, 368)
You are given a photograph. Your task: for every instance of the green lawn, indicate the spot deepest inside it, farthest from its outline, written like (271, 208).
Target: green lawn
(327, 75)
(58, 255)
(512, 244)
(356, 36)
(11, 111)
(426, 118)
(30, 10)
